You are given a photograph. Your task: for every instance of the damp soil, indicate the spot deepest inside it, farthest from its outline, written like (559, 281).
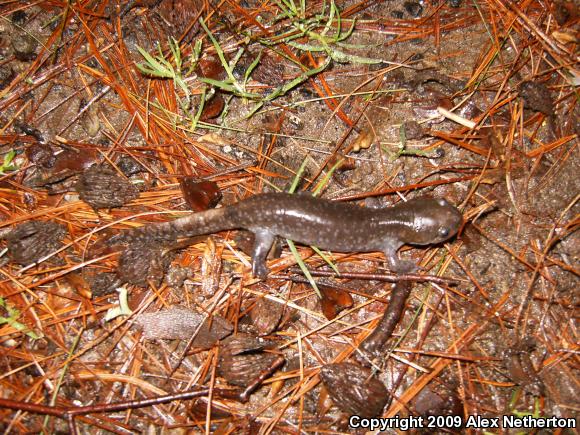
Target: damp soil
(93, 148)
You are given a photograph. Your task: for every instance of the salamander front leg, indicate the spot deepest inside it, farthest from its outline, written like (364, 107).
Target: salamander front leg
(395, 263)
(262, 245)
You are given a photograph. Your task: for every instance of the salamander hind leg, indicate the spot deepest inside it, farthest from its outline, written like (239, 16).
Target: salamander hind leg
(262, 245)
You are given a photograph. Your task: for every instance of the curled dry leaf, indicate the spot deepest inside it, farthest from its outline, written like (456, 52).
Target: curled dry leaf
(90, 119)
(354, 389)
(266, 315)
(364, 140)
(200, 195)
(333, 301)
(214, 139)
(101, 187)
(181, 323)
(30, 241)
(213, 107)
(65, 164)
(210, 67)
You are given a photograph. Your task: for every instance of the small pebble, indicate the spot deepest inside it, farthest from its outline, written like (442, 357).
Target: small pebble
(6, 75)
(413, 8)
(24, 46)
(18, 17)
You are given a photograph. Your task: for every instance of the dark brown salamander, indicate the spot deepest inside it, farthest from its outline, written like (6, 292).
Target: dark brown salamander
(335, 226)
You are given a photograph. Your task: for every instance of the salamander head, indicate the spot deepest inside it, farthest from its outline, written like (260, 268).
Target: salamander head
(434, 220)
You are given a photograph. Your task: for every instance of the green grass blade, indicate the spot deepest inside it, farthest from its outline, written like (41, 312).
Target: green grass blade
(298, 176)
(229, 87)
(251, 68)
(221, 56)
(303, 267)
(326, 258)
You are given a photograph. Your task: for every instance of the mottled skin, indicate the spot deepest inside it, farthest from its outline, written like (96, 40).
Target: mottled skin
(335, 226)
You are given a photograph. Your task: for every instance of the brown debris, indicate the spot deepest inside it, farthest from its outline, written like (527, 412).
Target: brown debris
(24, 46)
(242, 359)
(66, 164)
(334, 300)
(6, 75)
(354, 389)
(141, 263)
(514, 174)
(413, 130)
(176, 275)
(266, 315)
(441, 401)
(520, 367)
(270, 70)
(30, 241)
(101, 187)
(129, 166)
(180, 15)
(41, 154)
(537, 97)
(182, 323)
(103, 283)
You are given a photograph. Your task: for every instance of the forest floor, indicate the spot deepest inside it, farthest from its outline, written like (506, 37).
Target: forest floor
(114, 117)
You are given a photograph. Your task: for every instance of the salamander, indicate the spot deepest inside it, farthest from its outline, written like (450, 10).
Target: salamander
(330, 225)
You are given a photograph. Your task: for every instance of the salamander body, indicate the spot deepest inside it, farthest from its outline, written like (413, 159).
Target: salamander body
(335, 226)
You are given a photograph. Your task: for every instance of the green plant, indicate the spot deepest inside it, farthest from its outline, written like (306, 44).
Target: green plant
(10, 318)
(7, 163)
(403, 150)
(521, 414)
(160, 67)
(233, 86)
(322, 41)
(317, 30)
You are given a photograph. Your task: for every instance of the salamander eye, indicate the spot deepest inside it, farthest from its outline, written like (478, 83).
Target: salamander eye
(443, 232)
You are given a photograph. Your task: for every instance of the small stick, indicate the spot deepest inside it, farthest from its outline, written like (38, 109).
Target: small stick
(69, 412)
(264, 374)
(414, 277)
